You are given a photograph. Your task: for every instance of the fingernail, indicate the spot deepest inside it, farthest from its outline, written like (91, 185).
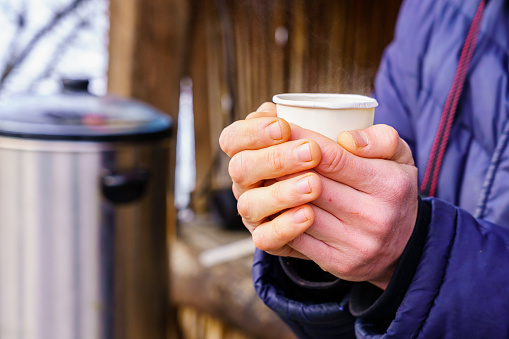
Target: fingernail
(304, 153)
(360, 139)
(275, 131)
(302, 185)
(299, 216)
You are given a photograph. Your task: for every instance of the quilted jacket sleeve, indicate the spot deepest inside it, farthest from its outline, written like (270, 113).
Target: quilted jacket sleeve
(309, 313)
(461, 285)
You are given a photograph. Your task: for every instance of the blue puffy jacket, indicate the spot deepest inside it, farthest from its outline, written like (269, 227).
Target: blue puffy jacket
(460, 288)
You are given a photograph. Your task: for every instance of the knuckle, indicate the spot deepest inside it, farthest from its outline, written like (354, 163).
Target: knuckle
(275, 158)
(332, 159)
(402, 186)
(384, 225)
(369, 251)
(244, 207)
(316, 186)
(224, 141)
(277, 194)
(228, 137)
(236, 168)
(280, 232)
(251, 136)
(260, 240)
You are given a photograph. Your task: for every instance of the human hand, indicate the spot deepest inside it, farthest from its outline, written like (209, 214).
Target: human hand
(364, 203)
(367, 210)
(261, 151)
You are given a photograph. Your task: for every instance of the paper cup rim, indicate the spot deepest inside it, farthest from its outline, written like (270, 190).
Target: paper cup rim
(316, 100)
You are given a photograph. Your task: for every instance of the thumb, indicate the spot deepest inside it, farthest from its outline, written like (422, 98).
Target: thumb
(377, 141)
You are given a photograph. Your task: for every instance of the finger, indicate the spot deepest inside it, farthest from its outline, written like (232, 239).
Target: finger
(288, 251)
(251, 167)
(337, 260)
(337, 163)
(326, 226)
(343, 252)
(275, 234)
(341, 201)
(267, 109)
(372, 176)
(253, 134)
(378, 141)
(338, 233)
(238, 190)
(259, 203)
(285, 251)
(344, 166)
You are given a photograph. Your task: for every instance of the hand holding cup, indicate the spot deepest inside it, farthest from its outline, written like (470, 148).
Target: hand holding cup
(348, 206)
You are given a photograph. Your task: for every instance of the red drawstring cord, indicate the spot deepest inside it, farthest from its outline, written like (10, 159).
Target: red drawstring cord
(429, 183)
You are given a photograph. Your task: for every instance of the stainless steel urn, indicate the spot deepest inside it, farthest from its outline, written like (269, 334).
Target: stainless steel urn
(83, 187)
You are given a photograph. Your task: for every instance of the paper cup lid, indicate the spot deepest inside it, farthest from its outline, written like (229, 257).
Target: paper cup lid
(325, 100)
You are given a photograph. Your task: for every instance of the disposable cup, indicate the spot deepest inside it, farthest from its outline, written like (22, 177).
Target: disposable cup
(326, 113)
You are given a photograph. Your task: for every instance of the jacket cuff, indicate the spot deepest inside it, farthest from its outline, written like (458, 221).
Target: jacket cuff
(370, 302)
(307, 274)
(310, 313)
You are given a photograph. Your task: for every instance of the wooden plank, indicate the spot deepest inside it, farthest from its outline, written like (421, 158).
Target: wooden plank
(146, 56)
(298, 47)
(121, 46)
(225, 290)
(278, 49)
(198, 71)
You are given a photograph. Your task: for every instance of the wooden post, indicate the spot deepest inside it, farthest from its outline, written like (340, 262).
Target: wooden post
(147, 50)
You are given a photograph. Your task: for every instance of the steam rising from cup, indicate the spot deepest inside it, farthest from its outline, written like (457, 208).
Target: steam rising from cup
(326, 113)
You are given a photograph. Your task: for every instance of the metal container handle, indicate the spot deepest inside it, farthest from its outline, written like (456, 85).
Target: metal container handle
(122, 187)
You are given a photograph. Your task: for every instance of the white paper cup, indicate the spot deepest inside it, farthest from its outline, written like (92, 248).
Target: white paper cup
(327, 114)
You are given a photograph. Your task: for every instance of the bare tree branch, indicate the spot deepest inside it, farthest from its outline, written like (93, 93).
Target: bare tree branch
(59, 52)
(57, 18)
(20, 27)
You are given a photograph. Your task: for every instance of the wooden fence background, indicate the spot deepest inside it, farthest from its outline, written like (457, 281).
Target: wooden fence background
(238, 54)
(245, 51)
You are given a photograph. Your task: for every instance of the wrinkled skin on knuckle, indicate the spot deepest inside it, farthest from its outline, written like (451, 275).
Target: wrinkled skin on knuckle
(332, 159)
(404, 187)
(252, 135)
(278, 195)
(369, 251)
(400, 185)
(275, 158)
(316, 184)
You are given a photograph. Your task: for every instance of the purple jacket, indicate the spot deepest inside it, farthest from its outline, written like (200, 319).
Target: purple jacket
(460, 288)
